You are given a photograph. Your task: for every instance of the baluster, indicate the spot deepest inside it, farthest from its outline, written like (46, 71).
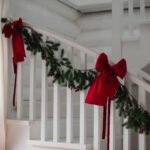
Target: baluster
(142, 9)
(131, 15)
(127, 132)
(56, 114)
(69, 115)
(83, 118)
(32, 87)
(44, 102)
(19, 91)
(142, 101)
(97, 127)
(112, 127)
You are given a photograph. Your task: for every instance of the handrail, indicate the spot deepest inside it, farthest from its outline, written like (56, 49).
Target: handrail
(63, 39)
(135, 79)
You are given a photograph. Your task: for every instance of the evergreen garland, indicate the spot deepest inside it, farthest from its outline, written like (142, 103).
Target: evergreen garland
(62, 71)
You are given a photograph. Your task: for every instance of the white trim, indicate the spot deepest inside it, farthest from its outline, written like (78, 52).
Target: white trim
(57, 145)
(18, 122)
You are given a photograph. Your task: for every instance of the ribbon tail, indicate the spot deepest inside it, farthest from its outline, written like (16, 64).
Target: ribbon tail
(104, 122)
(15, 83)
(108, 133)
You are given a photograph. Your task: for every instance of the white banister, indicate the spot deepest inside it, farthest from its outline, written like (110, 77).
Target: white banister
(32, 87)
(64, 40)
(97, 126)
(83, 119)
(134, 79)
(19, 91)
(131, 16)
(142, 9)
(44, 102)
(56, 113)
(142, 101)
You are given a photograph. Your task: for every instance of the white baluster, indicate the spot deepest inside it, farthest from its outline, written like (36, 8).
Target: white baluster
(82, 118)
(83, 60)
(112, 127)
(32, 87)
(19, 91)
(142, 9)
(56, 113)
(131, 16)
(44, 102)
(97, 127)
(127, 132)
(69, 115)
(142, 101)
(69, 121)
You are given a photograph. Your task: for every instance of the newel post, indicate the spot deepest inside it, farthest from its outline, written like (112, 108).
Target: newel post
(117, 14)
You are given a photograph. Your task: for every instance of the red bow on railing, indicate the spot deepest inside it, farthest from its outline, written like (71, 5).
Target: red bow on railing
(105, 86)
(14, 29)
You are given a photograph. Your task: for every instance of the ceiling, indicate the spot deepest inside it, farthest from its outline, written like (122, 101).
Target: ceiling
(86, 6)
(89, 5)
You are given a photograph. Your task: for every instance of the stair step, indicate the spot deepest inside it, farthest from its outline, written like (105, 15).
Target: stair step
(62, 144)
(35, 127)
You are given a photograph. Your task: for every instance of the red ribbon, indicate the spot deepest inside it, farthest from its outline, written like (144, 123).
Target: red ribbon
(14, 29)
(105, 86)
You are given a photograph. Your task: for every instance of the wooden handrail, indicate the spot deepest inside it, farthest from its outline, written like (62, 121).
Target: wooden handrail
(63, 39)
(135, 79)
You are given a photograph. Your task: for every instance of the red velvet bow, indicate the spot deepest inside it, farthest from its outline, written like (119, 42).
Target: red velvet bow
(105, 86)
(14, 29)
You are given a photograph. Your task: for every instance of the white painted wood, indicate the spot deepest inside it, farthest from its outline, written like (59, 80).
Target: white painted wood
(59, 145)
(117, 14)
(19, 91)
(142, 9)
(134, 79)
(131, 16)
(44, 102)
(64, 40)
(112, 127)
(69, 118)
(83, 119)
(127, 132)
(2, 92)
(97, 138)
(56, 113)
(142, 101)
(32, 87)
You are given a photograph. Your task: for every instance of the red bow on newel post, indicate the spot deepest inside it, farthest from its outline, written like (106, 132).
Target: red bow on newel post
(14, 29)
(105, 86)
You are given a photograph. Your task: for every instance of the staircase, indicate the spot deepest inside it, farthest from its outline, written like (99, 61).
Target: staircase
(49, 116)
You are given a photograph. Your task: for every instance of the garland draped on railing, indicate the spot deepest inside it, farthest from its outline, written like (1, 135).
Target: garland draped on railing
(62, 71)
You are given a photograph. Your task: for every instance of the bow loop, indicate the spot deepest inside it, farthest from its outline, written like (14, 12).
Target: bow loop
(120, 68)
(102, 63)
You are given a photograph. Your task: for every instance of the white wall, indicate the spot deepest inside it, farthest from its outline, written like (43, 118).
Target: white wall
(50, 15)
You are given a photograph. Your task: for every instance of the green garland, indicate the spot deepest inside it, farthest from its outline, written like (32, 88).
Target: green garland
(62, 71)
